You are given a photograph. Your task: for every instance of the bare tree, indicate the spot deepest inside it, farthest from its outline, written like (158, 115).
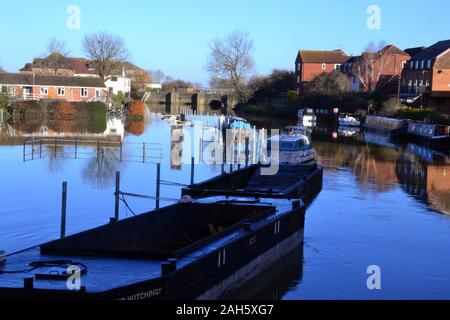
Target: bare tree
(231, 58)
(371, 66)
(157, 76)
(56, 54)
(106, 49)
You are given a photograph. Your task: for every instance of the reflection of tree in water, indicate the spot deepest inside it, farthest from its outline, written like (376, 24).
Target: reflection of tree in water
(101, 171)
(55, 157)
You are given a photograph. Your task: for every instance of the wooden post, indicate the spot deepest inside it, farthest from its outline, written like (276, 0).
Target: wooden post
(158, 183)
(32, 149)
(24, 150)
(63, 209)
(117, 195)
(121, 151)
(40, 148)
(76, 148)
(192, 170)
(56, 148)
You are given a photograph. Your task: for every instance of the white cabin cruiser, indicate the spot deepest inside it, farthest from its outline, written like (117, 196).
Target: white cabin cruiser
(346, 120)
(293, 149)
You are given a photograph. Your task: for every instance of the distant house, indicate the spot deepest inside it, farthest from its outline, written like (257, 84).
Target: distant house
(118, 83)
(37, 86)
(311, 63)
(427, 76)
(59, 65)
(377, 71)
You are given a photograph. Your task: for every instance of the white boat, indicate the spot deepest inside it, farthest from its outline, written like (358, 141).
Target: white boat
(293, 149)
(297, 131)
(306, 117)
(346, 120)
(177, 120)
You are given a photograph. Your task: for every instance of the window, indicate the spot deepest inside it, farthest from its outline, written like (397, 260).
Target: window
(61, 91)
(299, 67)
(98, 93)
(84, 92)
(403, 64)
(298, 79)
(44, 91)
(411, 65)
(429, 64)
(422, 64)
(337, 67)
(417, 65)
(324, 66)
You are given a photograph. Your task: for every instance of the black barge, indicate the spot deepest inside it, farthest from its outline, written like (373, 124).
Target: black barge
(432, 135)
(202, 249)
(291, 182)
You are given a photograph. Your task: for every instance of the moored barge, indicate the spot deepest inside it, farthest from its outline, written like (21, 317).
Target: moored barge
(202, 249)
(290, 182)
(433, 135)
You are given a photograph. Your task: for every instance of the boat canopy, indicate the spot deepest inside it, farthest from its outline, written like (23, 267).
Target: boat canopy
(291, 143)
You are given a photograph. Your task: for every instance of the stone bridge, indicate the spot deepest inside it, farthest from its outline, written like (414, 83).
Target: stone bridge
(195, 100)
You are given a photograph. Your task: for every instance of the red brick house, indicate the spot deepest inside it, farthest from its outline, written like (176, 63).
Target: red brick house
(311, 63)
(377, 71)
(36, 87)
(426, 77)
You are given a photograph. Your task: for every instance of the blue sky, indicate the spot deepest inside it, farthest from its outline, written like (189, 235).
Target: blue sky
(173, 35)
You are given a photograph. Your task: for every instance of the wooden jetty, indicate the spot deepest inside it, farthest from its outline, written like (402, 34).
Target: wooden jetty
(203, 249)
(291, 181)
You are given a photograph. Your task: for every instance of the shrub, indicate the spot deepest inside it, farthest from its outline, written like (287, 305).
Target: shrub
(392, 107)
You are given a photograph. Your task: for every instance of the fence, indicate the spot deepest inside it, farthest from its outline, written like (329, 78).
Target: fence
(144, 152)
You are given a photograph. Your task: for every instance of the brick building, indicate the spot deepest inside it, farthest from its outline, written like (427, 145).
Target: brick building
(426, 78)
(311, 63)
(377, 71)
(37, 86)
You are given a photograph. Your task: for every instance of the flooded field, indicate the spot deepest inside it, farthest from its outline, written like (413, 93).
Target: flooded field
(381, 204)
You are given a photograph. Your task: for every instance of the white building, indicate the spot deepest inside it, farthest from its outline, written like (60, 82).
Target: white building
(118, 83)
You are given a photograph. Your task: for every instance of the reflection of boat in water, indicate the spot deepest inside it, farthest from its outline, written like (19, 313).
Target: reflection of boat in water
(348, 131)
(380, 139)
(433, 135)
(347, 120)
(429, 155)
(162, 254)
(275, 284)
(307, 117)
(298, 130)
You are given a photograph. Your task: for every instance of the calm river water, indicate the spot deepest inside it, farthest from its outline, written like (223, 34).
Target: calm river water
(381, 204)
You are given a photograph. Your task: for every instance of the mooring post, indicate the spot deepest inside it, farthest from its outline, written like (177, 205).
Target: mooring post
(40, 148)
(120, 151)
(63, 209)
(192, 170)
(32, 149)
(247, 150)
(143, 152)
(158, 183)
(24, 150)
(56, 148)
(116, 196)
(76, 148)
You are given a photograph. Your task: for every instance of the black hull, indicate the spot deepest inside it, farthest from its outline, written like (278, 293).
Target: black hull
(211, 276)
(441, 144)
(307, 186)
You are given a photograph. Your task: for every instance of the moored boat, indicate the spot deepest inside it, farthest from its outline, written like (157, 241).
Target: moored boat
(292, 149)
(434, 135)
(203, 249)
(391, 126)
(347, 120)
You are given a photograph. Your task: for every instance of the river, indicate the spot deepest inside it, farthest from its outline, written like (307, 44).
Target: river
(382, 205)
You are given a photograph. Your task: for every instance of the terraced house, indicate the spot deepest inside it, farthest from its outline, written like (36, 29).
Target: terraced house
(36, 87)
(426, 77)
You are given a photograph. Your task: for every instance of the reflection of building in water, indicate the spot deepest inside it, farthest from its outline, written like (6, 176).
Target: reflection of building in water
(428, 182)
(429, 155)
(114, 130)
